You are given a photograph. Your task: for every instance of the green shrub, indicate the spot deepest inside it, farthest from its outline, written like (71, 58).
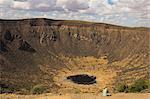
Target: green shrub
(7, 89)
(38, 89)
(122, 88)
(139, 85)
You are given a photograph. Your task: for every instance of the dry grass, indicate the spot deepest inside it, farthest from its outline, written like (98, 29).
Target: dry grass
(85, 65)
(76, 96)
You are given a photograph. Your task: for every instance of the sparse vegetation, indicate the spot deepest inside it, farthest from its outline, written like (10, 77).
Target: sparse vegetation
(45, 51)
(38, 89)
(23, 91)
(138, 86)
(7, 89)
(122, 88)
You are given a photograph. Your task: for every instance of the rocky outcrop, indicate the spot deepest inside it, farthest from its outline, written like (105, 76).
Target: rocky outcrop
(41, 48)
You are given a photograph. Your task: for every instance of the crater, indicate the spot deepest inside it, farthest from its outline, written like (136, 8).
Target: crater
(82, 79)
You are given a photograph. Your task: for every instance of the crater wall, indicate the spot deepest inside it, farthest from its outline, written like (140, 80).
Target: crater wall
(39, 50)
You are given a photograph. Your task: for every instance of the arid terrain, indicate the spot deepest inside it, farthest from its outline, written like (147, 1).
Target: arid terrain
(77, 96)
(46, 52)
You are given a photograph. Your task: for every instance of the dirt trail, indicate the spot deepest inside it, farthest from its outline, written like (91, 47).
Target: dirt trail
(76, 96)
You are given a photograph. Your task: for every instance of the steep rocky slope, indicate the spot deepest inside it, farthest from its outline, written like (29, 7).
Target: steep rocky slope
(44, 51)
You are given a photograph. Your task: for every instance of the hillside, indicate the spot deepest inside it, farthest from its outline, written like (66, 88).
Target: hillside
(45, 51)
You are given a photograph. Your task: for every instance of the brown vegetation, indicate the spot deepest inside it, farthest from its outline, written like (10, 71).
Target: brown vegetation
(43, 51)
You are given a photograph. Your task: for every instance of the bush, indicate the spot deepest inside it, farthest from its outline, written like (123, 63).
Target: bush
(38, 89)
(7, 89)
(122, 88)
(139, 85)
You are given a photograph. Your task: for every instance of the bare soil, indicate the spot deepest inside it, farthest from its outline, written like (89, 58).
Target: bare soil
(77, 96)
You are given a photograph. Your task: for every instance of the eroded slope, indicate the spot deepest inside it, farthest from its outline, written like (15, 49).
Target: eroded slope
(43, 51)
